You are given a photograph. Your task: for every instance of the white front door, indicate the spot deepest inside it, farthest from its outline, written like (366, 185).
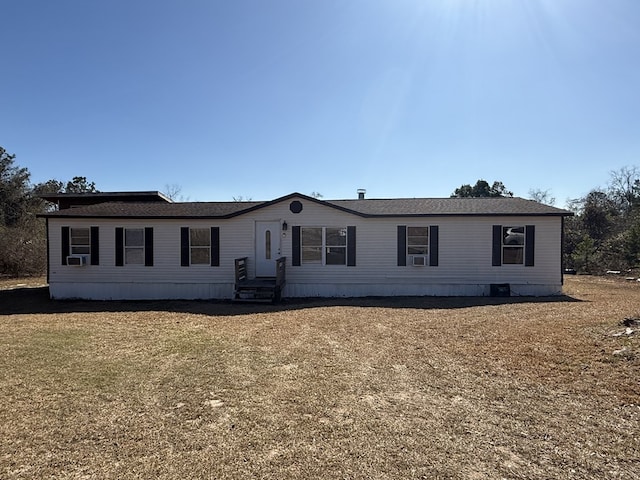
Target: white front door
(267, 248)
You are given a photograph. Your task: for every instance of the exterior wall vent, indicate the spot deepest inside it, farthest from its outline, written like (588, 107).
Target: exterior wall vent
(500, 290)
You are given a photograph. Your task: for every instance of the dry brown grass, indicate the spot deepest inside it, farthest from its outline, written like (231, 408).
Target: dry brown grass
(396, 388)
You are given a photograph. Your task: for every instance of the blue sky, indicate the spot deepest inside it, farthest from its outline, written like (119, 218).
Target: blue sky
(261, 98)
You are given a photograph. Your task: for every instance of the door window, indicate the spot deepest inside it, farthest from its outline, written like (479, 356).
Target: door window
(267, 244)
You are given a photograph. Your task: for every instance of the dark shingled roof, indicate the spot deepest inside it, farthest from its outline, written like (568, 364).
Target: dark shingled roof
(69, 200)
(448, 206)
(399, 207)
(157, 210)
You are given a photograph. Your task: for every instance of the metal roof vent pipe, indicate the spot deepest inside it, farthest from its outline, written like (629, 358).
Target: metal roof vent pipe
(361, 192)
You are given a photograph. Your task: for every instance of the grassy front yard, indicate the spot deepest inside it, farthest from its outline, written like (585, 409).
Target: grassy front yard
(354, 389)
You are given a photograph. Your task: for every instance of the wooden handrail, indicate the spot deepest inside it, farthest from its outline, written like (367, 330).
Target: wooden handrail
(281, 270)
(241, 269)
(259, 289)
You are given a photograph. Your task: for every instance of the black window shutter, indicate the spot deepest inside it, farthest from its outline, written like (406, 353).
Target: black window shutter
(215, 246)
(184, 246)
(148, 247)
(119, 246)
(95, 246)
(65, 244)
(402, 245)
(529, 245)
(497, 245)
(296, 252)
(433, 245)
(351, 246)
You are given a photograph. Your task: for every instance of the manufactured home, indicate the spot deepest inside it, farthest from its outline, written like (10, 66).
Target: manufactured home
(141, 245)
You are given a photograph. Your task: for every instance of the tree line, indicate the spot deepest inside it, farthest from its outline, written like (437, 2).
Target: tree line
(22, 235)
(603, 234)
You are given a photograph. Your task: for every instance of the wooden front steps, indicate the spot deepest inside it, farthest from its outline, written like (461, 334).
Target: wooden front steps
(261, 289)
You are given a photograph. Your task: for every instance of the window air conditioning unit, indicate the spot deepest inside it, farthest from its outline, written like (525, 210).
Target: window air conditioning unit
(419, 261)
(76, 260)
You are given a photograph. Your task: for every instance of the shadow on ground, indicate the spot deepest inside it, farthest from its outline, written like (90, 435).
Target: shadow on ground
(36, 301)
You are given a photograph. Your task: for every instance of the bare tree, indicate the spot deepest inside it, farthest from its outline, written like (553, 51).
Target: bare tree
(542, 196)
(174, 192)
(240, 198)
(316, 195)
(624, 187)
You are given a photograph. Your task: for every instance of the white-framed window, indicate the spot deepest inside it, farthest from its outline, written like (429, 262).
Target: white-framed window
(417, 241)
(79, 241)
(513, 244)
(200, 246)
(134, 246)
(312, 245)
(417, 247)
(324, 245)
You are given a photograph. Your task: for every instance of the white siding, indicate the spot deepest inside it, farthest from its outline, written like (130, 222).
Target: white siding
(465, 266)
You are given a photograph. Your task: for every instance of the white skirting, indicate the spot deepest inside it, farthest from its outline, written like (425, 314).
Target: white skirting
(404, 289)
(141, 291)
(197, 291)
